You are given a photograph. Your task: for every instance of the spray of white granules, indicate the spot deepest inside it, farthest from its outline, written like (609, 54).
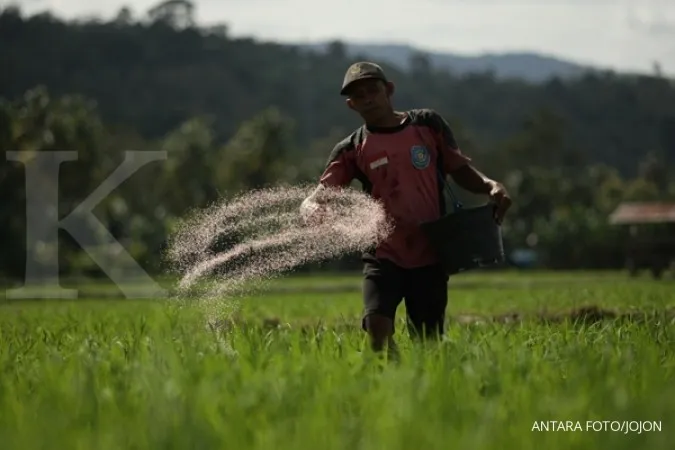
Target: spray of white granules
(234, 246)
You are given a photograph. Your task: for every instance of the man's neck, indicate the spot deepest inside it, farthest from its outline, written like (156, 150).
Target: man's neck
(390, 120)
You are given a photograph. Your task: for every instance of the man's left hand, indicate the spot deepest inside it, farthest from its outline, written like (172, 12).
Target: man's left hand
(501, 199)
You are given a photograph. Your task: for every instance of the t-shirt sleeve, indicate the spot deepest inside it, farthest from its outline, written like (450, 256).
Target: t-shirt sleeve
(453, 158)
(341, 166)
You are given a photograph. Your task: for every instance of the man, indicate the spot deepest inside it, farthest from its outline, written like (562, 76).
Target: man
(396, 155)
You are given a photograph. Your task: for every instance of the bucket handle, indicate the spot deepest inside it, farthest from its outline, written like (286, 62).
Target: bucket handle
(456, 204)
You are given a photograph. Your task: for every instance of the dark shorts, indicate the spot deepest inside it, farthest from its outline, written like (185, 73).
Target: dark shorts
(424, 289)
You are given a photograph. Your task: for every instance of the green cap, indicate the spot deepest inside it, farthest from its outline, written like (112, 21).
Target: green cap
(361, 71)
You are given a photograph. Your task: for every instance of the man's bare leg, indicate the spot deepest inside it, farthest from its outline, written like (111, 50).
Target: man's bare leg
(381, 333)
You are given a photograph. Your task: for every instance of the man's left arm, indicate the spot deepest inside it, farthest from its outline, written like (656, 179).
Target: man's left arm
(459, 167)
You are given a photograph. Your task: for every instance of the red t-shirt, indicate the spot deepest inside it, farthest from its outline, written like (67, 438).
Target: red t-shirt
(398, 166)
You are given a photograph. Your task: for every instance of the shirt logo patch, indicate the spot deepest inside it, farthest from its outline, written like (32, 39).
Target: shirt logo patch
(420, 156)
(379, 162)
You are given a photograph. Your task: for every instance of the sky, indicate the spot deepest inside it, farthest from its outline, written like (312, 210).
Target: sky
(624, 35)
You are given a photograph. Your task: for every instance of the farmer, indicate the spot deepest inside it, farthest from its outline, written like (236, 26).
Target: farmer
(395, 156)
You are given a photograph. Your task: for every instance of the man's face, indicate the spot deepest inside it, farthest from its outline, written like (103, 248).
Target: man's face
(369, 98)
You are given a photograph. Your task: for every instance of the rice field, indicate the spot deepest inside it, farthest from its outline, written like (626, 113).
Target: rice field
(530, 361)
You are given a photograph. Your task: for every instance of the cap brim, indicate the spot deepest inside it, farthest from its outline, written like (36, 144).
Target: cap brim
(367, 77)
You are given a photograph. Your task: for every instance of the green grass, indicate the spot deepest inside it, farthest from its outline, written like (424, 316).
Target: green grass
(117, 374)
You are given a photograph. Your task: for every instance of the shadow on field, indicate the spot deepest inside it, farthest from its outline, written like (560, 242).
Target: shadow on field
(582, 315)
(579, 316)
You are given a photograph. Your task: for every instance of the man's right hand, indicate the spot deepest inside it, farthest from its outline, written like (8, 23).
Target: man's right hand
(312, 212)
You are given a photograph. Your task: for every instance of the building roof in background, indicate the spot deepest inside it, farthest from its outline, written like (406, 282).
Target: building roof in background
(643, 212)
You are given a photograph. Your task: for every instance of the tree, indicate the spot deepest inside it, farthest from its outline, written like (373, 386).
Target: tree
(124, 16)
(189, 177)
(177, 14)
(653, 170)
(337, 49)
(420, 64)
(260, 153)
(39, 123)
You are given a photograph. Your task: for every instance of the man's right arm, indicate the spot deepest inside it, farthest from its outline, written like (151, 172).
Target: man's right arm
(340, 170)
(341, 166)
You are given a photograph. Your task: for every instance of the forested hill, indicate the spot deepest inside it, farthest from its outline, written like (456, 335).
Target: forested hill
(523, 65)
(152, 75)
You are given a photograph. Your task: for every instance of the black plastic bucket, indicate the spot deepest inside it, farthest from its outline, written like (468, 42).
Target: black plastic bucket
(467, 239)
